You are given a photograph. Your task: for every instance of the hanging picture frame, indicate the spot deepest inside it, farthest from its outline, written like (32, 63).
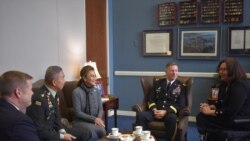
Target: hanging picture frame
(157, 43)
(199, 43)
(239, 43)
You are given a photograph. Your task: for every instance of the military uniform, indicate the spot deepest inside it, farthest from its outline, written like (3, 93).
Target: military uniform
(45, 114)
(171, 99)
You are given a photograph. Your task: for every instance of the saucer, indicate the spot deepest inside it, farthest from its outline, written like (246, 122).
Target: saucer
(136, 134)
(127, 137)
(149, 139)
(110, 136)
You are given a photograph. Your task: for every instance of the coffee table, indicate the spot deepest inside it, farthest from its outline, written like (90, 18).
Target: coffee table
(122, 132)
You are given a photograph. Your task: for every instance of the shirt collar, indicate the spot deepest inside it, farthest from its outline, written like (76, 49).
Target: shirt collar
(53, 92)
(171, 82)
(15, 106)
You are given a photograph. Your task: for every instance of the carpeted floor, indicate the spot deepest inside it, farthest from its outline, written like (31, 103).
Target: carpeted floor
(125, 124)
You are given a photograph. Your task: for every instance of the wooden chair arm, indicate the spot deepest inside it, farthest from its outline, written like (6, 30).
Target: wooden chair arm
(139, 107)
(184, 112)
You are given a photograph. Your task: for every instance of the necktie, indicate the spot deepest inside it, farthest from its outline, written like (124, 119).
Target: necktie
(168, 86)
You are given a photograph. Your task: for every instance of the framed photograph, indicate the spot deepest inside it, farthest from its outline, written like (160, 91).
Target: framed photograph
(199, 43)
(239, 43)
(100, 88)
(157, 43)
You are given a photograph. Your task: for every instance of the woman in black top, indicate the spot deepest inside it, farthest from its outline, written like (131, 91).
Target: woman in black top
(233, 101)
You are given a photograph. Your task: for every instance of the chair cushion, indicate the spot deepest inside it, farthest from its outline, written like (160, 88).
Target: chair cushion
(67, 90)
(156, 125)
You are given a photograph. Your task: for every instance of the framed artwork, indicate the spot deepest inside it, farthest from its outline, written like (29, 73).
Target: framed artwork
(99, 86)
(199, 43)
(157, 43)
(239, 43)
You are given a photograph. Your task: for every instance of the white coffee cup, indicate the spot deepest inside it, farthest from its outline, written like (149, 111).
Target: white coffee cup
(146, 134)
(114, 131)
(138, 129)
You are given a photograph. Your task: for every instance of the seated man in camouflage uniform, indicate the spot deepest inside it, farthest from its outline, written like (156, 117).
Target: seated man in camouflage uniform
(45, 114)
(165, 101)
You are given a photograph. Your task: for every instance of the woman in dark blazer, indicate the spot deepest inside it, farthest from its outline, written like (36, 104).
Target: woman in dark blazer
(233, 101)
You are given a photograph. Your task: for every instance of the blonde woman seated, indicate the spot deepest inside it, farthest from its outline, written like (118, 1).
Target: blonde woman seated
(87, 104)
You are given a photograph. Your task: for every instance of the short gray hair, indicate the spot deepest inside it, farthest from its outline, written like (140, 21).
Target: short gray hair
(51, 73)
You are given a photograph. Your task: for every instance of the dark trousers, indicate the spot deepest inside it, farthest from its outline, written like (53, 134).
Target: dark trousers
(211, 127)
(169, 122)
(217, 129)
(80, 134)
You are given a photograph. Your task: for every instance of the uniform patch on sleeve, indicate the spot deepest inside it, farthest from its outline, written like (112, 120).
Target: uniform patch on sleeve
(38, 103)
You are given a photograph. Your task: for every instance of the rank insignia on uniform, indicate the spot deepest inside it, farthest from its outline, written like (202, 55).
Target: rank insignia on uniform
(38, 103)
(177, 90)
(158, 89)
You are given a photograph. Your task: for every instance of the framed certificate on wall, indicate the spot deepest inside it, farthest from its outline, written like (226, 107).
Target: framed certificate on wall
(239, 43)
(157, 42)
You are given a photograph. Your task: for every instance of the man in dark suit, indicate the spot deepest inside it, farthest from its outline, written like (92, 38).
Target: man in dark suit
(16, 92)
(165, 101)
(44, 110)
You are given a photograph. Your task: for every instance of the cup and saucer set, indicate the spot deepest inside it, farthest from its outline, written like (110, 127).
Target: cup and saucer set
(115, 134)
(137, 133)
(143, 135)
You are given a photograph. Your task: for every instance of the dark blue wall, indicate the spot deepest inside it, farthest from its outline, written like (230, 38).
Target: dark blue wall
(129, 18)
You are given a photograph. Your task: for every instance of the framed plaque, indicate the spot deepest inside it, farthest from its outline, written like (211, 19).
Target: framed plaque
(187, 12)
(210, 11)
(167, 14)
(233, 11)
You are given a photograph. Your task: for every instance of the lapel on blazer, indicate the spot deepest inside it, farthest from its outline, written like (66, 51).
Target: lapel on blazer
(5, 104)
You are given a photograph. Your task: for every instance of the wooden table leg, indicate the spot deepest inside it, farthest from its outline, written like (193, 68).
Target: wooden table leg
(106, 119)
(115, 114)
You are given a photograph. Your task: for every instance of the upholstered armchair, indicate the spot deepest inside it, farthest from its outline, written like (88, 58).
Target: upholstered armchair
(157, 128)
(65, 102)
